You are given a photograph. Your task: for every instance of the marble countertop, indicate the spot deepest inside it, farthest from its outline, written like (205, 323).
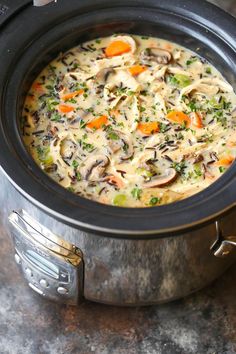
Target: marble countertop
(203, 323)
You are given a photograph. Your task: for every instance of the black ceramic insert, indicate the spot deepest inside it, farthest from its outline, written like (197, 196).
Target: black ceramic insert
(34, 36)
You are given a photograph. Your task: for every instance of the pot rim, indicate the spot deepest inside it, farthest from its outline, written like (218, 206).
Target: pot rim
(89, 215)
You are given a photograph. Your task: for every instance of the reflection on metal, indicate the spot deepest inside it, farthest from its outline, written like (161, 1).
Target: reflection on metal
(42, 2)
(223, 246)
(52, 267)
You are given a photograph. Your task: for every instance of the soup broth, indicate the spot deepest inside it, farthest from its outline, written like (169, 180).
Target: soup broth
(131, 121)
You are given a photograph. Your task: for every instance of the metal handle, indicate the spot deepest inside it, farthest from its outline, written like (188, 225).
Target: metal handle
(42, 2)
(52, 267)
(223, 246)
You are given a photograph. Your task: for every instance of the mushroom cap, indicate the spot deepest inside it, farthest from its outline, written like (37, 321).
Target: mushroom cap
(94, 167)
(161, 56)
(163, 180)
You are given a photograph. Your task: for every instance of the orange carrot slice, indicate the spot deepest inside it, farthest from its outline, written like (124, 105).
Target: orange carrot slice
(38, 87)
(168, 46)
(115, 180)
(148, 128)
(225, 161)
(179, 117)
(70, 95)
(196, 120)
(137, 69)
(65, 109)
(117, 48)
(231, 143)
(97, 123)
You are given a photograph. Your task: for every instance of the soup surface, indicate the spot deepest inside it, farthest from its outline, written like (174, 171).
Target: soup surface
(131, 121)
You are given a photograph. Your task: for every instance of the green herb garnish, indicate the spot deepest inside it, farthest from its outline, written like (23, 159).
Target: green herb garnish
(136, 193)
(191, 61)
(55, 117)
(75, 164)
(222, 169)
(179, 166)
(154, 200)
(113, 136)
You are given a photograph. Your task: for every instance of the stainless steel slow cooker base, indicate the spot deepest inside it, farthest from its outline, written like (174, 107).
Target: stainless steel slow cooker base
(69, 248)
(111, 271)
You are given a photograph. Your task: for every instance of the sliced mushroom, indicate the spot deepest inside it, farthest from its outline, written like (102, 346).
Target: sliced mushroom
(163, 180)
(59, 150)
(94, 167)
(158, 55)
(117, 141)
(103, 75)
(67, 149)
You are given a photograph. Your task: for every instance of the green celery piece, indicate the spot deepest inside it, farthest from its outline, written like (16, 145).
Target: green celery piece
(182, 80)
(119, 200)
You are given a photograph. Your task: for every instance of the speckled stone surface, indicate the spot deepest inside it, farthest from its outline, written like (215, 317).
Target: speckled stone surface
(203, 323)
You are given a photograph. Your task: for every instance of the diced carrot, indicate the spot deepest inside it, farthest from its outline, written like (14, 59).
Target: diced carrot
(70, 95)
(38, 87)
(137, 69)
(117, 48)
(103, 199)
(168, 46)
(231, 143)
(196, 120)
(115, 180)
(148, 128)
(179, 117)
(65, 109)
(225, 161)
(97, 123)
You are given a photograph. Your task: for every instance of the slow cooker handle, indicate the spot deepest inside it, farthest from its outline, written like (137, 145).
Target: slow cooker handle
(223, 245)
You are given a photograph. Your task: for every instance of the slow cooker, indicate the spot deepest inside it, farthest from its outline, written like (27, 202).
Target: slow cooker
(70, 248)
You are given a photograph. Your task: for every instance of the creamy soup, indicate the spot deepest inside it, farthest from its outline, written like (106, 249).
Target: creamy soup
(131, 121)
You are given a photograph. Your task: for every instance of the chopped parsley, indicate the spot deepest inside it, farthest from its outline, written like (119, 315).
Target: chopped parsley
(78, 177)
(86, 146)
(82, 124)
(113, 136)
(222, 169)
(55, 117)
(191, 61)
(179, 166)
(208, 70)
(136, 193)
(154, 200)
(163, 127)
(75, 164)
